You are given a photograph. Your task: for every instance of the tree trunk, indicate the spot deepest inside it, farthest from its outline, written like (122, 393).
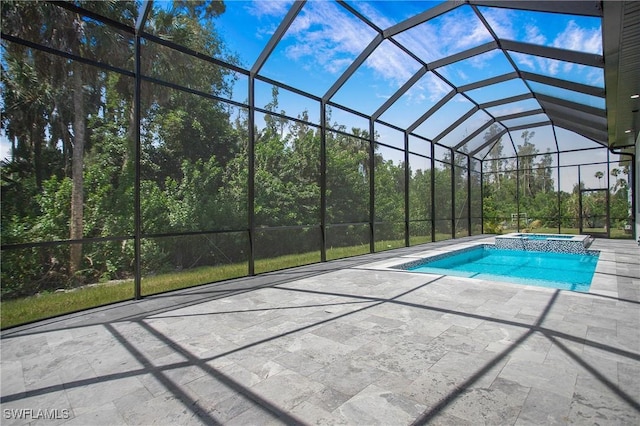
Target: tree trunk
(37, 151)
(66, 142)
(77, 162)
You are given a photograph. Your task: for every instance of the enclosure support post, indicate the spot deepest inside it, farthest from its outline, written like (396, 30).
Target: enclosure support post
(251, 158)
(407, 176)
(482, 197)
(453, 193)
(579, 201)
(559, 197)
(433, 193)
(518, 193)
(372, 184)
(144, 11)
(323, 181)
(468, 195)
(137, 215)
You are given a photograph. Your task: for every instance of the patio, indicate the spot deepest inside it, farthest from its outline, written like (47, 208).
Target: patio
(341, 342)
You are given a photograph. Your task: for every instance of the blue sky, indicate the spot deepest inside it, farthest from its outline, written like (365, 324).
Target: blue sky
(325, 38)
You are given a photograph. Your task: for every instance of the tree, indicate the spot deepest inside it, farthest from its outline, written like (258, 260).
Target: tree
(599, 176)
(495, 153)
(68, 122)
(526, 155)
(543, 173)
(347, 179)
(620, 208)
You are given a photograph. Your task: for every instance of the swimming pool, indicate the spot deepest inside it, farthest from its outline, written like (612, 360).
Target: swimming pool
(565, 271)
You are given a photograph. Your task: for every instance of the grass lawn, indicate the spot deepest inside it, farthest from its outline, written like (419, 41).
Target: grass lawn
(28, 309)
(46, 305)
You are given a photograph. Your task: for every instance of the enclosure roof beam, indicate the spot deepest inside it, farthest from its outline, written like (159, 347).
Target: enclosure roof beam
(569, 104)
(488, 82)
(143, 14)
(529, 126)
(596, 121)
(564, 84)
(579, 127)
(478, 50)
(353, 67)
(401, 91)
(508, 100)
(583, 58)
(599, 136)
(520, 114)
(458, 122)
(474, 134)
(491, 141)
(583, 8)
(286, 22)
(433, 109)
(421, 18)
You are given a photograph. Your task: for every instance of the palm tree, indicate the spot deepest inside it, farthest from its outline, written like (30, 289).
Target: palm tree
(599, 175)
(58, 94)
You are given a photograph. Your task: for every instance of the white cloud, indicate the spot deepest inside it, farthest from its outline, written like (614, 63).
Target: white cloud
(392, 64)
(262, 8)
(578, 38)
(336, 66)
(567, 67)
(460, 31)
(325, 35)
(463, 76)
(265, 32)
(550, 65)
(484, 60)
(425, 43)
(533, 35)
(560, 69)
(380, 19)
(445, 35)
(524, 60)
(266, 9)
(538, 64)
(595, 77)
(322, 32)
(298, 51)
(431, 88)
(501, 20)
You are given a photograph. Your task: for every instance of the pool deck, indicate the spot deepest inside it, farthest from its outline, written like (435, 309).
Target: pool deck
(343, 342)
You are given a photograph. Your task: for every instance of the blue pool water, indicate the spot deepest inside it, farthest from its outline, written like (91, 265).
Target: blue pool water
(555, 270)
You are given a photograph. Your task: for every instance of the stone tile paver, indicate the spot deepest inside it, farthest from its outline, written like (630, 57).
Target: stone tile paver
(347, 342)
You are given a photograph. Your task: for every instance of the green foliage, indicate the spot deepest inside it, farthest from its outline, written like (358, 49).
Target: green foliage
(492, 228)
(347, 179)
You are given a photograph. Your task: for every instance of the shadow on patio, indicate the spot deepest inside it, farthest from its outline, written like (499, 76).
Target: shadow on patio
(333, 344)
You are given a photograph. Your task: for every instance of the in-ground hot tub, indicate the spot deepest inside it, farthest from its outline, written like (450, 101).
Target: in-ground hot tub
(557, 243)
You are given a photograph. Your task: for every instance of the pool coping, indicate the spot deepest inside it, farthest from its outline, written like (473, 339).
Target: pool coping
(552, 237)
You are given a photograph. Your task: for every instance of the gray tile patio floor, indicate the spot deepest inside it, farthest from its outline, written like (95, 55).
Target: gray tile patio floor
(343, 342)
